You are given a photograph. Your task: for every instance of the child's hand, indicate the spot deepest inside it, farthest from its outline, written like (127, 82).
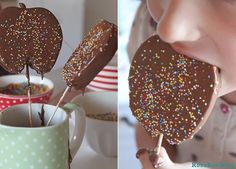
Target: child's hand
(164, 162)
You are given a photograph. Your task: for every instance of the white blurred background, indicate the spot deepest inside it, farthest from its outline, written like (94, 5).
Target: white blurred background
(127, 147)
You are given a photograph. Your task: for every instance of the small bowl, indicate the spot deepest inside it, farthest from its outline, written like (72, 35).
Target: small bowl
(10, 100)
(100, 134)
(106, 80)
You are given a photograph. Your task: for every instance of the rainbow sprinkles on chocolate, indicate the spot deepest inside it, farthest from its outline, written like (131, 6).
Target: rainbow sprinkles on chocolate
(92, 55)
(171, 93)
(29, 36)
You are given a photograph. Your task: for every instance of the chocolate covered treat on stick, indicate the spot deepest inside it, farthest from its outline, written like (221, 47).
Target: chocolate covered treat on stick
(171, 94)
(90, 57)
(29, 37)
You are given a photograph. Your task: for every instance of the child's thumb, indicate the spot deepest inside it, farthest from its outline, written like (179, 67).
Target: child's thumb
(150, 161)
(164, 158)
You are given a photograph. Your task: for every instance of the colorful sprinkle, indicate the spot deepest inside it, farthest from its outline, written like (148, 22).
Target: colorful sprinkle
(22, 89)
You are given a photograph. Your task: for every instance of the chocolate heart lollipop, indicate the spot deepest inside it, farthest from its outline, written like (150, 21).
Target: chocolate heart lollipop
(29, 36)
(92, 54)
(169, 92)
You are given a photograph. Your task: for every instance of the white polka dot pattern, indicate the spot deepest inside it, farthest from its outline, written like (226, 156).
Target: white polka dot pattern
(7, 100)
(31, 148)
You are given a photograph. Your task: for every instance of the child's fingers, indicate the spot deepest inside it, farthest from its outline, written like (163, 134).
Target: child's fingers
(163, 163)
(165, 160)
(144, 159)
(164, 156)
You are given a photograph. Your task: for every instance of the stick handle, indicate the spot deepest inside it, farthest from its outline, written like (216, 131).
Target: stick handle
(158, 147)
(29, 96)
(59, 102)
(68, 45)
(30, 107)
(155, 159)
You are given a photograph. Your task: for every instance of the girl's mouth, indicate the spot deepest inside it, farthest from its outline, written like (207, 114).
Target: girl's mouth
(183, 51)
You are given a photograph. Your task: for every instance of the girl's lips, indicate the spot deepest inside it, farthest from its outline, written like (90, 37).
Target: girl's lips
(182, 51)
(186, 52)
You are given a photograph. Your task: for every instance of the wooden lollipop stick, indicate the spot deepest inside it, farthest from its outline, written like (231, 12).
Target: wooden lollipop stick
(155, 159)
(30, 107)
(68, 45)
(158, 147)
(29, 96)
(59, 102)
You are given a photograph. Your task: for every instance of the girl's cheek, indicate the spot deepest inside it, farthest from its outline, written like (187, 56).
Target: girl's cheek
(155, 8)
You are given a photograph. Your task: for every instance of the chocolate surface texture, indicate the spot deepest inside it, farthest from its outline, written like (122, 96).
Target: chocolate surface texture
(169, 92)
(92, 54)
(29, 36)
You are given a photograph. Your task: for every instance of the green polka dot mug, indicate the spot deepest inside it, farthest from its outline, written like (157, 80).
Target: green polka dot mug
(51, 147)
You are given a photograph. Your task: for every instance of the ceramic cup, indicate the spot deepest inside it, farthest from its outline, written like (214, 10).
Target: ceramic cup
(10, 100)
(100, 134)
(25, 147)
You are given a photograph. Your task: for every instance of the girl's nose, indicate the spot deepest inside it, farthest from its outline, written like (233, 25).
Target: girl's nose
(178, 22)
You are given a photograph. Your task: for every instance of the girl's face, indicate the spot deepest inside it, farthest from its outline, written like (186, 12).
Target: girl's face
(201, 29)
